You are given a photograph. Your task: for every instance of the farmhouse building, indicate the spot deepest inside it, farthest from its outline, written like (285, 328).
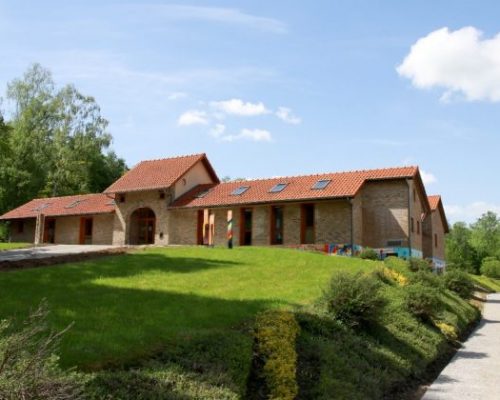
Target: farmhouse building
(181, 200)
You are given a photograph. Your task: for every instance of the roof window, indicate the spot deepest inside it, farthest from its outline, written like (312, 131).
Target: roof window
(202, 194)
(239, 191)
(278, 187)
(321, 184)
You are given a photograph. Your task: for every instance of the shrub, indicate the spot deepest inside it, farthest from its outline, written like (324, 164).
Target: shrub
(422, 301)
(448, 330)
(353, 299)
(459, 282)
(275, 334)
(368, 254)
(419, 264)
(389, 275)
(28, 364)
(396, 263)
(491, 267)
(427, 278)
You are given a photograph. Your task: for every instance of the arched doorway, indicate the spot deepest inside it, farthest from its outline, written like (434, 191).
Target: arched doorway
(142, 226)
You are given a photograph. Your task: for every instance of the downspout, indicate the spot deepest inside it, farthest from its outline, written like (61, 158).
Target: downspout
(409, 217)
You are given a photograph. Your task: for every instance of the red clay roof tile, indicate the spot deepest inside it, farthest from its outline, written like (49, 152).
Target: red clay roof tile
(156, 174)
(68, 205)
(343, 184)
(434, 201)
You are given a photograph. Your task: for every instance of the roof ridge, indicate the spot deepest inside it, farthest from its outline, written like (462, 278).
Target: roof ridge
(173, 158)
(320, 173)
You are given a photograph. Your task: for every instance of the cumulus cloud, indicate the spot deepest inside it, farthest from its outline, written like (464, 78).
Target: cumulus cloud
(427, 177)
(256, 135)
(286, 115)
(469, 212)
(193, 117)
(239, 107)
(462, 62)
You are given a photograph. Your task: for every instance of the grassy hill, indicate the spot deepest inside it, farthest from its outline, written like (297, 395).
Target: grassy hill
(177, 323)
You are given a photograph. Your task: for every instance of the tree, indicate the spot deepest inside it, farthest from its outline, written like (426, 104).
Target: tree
(459, 250)
(56, 142)
(485, 235)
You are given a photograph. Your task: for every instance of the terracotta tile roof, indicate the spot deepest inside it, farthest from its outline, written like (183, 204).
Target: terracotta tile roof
(342, 184)
(158, 174)
(434, 201)
(67, 205)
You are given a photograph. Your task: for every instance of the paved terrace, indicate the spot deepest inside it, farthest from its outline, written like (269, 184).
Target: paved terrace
(474, 372)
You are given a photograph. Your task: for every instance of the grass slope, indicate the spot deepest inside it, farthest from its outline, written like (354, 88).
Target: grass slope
(176, 323)
(12, 246)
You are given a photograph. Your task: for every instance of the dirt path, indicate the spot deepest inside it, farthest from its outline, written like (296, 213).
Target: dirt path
(474, 372)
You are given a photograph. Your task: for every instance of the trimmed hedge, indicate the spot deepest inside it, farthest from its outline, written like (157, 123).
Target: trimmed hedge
(275, 334)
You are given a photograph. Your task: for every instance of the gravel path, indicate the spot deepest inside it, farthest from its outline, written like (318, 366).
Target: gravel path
(474, 372)
(50, 251)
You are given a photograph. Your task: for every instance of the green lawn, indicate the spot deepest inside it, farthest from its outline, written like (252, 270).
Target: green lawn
(12, 246)
(128, 306)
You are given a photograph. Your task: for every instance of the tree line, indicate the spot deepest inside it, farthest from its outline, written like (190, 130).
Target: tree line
(467, 246)
(54, 143)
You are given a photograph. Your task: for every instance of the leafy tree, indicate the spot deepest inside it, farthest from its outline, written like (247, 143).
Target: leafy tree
(459, 250)
(485, 235)
(55, 144)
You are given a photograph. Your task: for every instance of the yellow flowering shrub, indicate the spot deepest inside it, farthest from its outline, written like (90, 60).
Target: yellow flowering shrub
(388, 274)
(275, 333)
(447, 330)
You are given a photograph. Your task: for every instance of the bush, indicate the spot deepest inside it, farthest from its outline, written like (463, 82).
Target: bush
(427, 278)
(491, 267)
(419, 264)
(422, 301)
(368, 254)
(390, 276)
(396, 263)
(275, 334)
(28, 364)
(353, 299)
(459, 282)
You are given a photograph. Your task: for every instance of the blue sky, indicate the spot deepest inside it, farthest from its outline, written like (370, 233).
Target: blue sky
(284, 87)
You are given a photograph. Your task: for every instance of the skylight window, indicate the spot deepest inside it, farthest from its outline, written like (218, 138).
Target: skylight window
(321, 184)
(41, 207)
(239, 191)
(74, 204)
(278, 187)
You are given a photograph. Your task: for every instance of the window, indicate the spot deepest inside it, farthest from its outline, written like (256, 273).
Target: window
(435, 240)
(246, 227)
(321, 184)
(412, 224)
(418, 227)
(307, 224)
(162, 195)
(276, 225)
(20, 226)
(74, 204)
(121, 198)
(239, 191)
(278, 187)
(414, 196)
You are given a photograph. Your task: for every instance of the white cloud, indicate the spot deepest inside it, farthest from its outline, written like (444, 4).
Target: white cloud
(470, 212)
(256, 135)
(177, 95)
(193, 117)
(461, 62)
(228, 16)
(217, 131)
(285, 114)
(427, 177)
(239, 107)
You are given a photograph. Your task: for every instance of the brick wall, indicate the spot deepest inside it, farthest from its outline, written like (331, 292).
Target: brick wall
(434, 226)
(385, 212)
(182, 228)
(67, 230)
(333, 222)
(28, 234)
(291, 224)
(135, 200)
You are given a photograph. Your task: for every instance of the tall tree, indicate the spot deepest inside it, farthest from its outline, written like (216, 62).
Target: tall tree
(459, 250)
(58, 143)
(485, 236)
